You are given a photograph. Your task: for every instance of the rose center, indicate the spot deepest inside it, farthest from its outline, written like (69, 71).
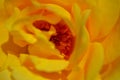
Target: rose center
(63, 39)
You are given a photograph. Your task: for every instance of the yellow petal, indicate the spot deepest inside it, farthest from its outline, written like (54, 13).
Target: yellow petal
(22, 73)
(3, 58)
(82, 42)
(46, 65)
(28, 37)
(5, 75)
(12, 61)
(11, 20)
(1, 4)
(64, 3)
(104, 15)
(23, 58)
(82, 37)
(54, 65)
(58, 10)
(54, 8)
(114, 73)
(39, 49)
(111, 44)
(95, 61)
(4, 35)
(98, 77)
(39, 34)
(20, 35)
(79, 17)
(76, 74)
(36, 13)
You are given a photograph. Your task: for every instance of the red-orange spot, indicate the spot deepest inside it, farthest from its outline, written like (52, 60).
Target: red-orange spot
(42, 25)
(63, 39)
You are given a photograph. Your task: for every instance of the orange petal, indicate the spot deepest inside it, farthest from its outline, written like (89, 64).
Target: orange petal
(76, 74)
(94, 62)
(64, 3)
(3, 14)
(104, 15)
(114, 73)
(10, 4)
(11, 47)
(111, 44)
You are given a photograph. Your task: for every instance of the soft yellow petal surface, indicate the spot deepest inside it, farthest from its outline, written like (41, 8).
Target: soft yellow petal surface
(76, 74)
(95, 61)
(114, 73)
(2, 4)
(82, 37)
(19, 34)
(54, 8)
(3, 35)
(22, 73)
(104, 15)
(12, 61)
(46, 65)
(64, 3)
(3, 58)
(98, 77)
(39, 49)
(5, 75)
(58, 10)
(112, 44)
(11, 20)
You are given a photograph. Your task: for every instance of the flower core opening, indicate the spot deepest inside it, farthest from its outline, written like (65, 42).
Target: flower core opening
(63, 38)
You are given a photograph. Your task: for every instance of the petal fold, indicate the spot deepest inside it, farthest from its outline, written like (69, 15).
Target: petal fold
(4, 35)
(3, 58)
(82, 36)
(104, 14)
(114, 73)
(58, 10)
(22, 73)
(45, 65)
(111, 44)
(94, 62)
(5, 75)
(76, 74)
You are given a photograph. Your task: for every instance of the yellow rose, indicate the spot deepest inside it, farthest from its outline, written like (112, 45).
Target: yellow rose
(59, 40)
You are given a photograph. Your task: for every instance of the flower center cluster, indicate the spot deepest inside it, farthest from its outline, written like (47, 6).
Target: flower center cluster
(63, 39)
